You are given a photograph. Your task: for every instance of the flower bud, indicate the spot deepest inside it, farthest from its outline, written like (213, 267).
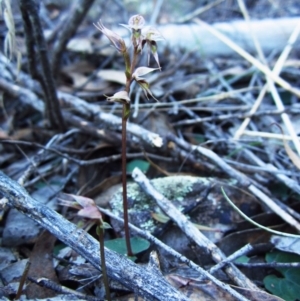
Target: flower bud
(121, 96)
(140, 71)
(115, 39)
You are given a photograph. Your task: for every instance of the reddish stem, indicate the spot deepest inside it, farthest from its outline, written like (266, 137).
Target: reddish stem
(129, 70)
(124, 184)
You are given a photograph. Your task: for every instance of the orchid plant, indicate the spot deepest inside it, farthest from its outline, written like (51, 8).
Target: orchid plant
(140, 37)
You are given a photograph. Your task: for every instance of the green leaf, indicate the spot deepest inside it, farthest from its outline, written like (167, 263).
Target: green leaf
(119, 245)
(141, 164)
(199, 138)
(160, 217)
(281, 191)
(98, 230)
(106, 225)
(126, 111)
(288, 286)
(242, 259)
(286, 97)
(40, 184)
(58, 248)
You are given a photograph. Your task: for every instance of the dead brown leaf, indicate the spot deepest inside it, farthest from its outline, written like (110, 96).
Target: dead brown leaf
(42, 266)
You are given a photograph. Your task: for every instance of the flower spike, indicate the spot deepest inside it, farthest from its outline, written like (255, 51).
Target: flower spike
(139, 38)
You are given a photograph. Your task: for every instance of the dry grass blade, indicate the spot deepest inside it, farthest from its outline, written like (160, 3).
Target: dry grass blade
(245, 13)
(271, 75)
(189, 229)
(277, 68)
(292, 155)
(255, 223)
(267, 135)
(264, 69)
(10, 48)
(199, 11)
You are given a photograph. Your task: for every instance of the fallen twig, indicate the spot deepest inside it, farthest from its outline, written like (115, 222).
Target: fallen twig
(119, 268)
(190, 230)
(180, 257)
(241, 178)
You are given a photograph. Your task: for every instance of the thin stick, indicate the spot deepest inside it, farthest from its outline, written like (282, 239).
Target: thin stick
(268, 135)
(178, 256)
(255, 223)
(264, 69)
(34, 34)
(102, 258)
(243, 180)
(23, 279)
(119, 268)
(76, 16)
(190, 230)
(124, 184)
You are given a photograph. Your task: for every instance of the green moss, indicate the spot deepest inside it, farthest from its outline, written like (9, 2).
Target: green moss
(179, 189)
(148, 225)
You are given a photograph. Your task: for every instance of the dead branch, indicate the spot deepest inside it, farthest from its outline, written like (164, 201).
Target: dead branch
(182, 258)
(35, 40)
(76, 15)
(142, 281)
(190, 230)
(241, 178)
(271, 34)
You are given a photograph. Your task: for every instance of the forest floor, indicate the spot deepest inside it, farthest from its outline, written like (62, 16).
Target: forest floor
(206, 128)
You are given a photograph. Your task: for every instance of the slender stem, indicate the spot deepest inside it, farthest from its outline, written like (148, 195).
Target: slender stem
(129, 67)
(102, 257)
(134, 59)
(22, 281)
(124, 184)
(127, 70)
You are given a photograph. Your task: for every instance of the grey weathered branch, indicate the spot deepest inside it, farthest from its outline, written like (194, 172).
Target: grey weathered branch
(190, 230)
(241, 178)
(272, 34)
(76, 15)
(36, 48)
(148, 138)
(142, 281)
(183, 259)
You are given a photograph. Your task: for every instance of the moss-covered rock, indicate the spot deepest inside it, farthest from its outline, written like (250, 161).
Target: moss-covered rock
(184, 191)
